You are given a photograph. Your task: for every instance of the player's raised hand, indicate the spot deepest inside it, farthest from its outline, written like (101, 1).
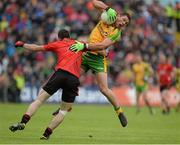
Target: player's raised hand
(78, 46)
(19, 44)
(112, 15)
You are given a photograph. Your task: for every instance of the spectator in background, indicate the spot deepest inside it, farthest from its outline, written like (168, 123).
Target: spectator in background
(142, 71)
(169, 14)
(34, 21)
(177, 16)
(20, 82)
(165, 75)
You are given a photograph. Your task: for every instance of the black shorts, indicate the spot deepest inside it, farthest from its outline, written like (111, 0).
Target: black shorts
(164, 87)
(64, 80)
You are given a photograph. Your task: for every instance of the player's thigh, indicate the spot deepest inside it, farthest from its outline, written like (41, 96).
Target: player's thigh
(70, 89)
(55, 82)
(145, 90)
(102, 81)
(84, 64)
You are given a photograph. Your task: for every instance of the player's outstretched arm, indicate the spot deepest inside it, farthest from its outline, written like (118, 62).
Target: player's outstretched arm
(78, 46)
(31, 47)
(99, 5)
(100, 45)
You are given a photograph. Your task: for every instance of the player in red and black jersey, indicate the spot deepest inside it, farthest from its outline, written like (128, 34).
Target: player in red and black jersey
(165, 74)
(66, 76)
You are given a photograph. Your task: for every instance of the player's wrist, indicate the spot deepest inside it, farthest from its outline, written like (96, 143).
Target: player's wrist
(86, 45)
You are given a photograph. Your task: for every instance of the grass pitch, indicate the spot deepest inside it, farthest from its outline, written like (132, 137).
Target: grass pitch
(91, 124)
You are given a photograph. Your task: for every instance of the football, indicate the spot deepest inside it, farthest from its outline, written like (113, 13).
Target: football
(104, 17)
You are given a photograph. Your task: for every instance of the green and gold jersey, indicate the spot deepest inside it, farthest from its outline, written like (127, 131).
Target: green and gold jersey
(103, 31)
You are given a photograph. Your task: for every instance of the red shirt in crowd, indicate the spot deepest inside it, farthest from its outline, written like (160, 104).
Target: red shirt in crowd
(67, 60)
(164, 73)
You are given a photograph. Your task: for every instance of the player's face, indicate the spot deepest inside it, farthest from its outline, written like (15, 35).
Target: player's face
(122, 21)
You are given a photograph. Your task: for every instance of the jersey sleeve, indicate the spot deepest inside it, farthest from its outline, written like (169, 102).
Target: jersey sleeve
(115, 35)
(50, 46)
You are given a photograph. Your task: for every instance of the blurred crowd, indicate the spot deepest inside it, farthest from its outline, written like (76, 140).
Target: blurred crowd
(152, 31)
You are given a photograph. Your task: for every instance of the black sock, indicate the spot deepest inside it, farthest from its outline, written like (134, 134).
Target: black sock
(47, 132)
(25, 118)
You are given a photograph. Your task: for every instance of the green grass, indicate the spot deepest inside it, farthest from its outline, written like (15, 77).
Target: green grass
(98, 121)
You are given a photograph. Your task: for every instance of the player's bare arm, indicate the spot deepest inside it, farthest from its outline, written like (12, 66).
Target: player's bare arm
(99, 5)
(101, 45)
(111, 13)
(92, 46)
(31, 47)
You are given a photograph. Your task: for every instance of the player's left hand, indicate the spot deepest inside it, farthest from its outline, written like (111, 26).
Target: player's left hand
(112, 15)
(78, 46)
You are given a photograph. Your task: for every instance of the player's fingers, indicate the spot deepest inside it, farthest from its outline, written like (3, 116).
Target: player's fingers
(110, 19)
(76, 50)
(114, 19)
(72, 47)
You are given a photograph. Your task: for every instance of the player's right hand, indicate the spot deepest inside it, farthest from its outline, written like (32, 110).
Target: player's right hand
(78, 46)
(112, 15)
(19, 44)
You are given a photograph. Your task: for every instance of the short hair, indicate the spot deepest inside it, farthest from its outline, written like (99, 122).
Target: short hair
(63, 33)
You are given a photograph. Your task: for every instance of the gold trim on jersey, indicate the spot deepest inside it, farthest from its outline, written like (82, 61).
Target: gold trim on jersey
(105, 64)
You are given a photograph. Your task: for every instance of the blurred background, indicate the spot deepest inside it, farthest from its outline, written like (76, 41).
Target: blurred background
(154, 30)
